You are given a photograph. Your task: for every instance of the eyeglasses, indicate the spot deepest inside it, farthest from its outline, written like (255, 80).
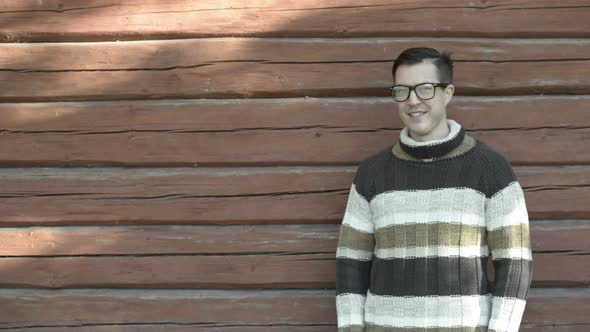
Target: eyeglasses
(424, 91)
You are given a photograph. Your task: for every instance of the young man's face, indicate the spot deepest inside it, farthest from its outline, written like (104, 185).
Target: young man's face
(425, 119)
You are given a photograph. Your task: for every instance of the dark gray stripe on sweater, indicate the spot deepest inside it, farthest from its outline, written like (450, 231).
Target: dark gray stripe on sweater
(513, 277)
(444, 276)
(352, 276)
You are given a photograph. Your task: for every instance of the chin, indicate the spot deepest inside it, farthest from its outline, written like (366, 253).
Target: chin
(420, 130)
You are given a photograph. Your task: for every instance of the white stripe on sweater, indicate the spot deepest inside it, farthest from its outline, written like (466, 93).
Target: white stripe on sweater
(506, 208)
(350, 309)
(432, 251)
(506, 314)
(360, 255)
(358, 212)
(448, 205)
(431, 311)
(523, 253)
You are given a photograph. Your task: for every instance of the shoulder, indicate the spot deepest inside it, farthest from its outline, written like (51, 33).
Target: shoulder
(368, 170)
(498, 170)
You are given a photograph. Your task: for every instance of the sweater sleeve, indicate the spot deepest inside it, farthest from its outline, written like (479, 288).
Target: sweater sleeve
(508, 239)
(353, 260)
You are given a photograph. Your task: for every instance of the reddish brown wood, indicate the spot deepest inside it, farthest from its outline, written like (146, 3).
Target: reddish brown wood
(290, 131)
(169, 54)
(251, 271)
(538, 179)
(554, 328)
(177, 116)
(238, 79)
(557, 235)
(202, 327)
(542, 301)
(561, 269)
(268, 146)
(277, 239)
(31, 20)
(227, 196)
(230, 271)
(560, 235)
(313, 328)
(75, 307)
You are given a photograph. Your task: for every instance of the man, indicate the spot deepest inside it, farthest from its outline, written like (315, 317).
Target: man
(424, 215)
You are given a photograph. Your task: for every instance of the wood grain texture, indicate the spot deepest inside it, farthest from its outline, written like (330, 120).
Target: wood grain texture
(79, 20)
(257, 79)
(184, 53)
(207, 327)
(22, 308)
(278, 67)
(162, 240)
(208, 272)
(276, 131)
(215, 328)
(225, 196)
(78, 307)
(266, 147)
(211, 115)
(241, 271)
(557, 236)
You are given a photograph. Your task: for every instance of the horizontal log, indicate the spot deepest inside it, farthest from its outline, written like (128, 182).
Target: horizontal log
(258, 79)
(562, 235)
(77, 307)
(178, 54)
(306, 328)
(223, 196)
(546, 235)
(145, 240)
(99, 20)
(210, 115)
(21, 308)
(179, 271)
(266, 146)
(205, 327)
(274, 270)
(289, 67)
(277, 131)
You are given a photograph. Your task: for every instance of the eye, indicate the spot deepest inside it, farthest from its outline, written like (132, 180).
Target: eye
(400, 90)
(425, 88)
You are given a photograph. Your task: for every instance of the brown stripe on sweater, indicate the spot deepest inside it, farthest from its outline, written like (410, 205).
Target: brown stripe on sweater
(514, 236)
(353, 239)
(467, 144)
(431, 234)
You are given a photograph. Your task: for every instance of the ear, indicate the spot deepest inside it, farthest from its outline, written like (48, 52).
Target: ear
(449, 91)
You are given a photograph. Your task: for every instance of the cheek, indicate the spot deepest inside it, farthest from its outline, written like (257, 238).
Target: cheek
(428, 103)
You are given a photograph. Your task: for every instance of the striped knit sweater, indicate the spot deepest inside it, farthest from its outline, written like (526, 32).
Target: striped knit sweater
(420, 222)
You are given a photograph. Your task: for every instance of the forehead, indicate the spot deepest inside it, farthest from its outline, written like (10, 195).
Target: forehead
(424, 71)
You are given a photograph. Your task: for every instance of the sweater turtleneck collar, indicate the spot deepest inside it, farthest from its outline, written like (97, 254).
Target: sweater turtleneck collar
(435, 148)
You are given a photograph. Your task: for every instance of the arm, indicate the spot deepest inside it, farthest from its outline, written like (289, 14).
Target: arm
(507, 226)
(353, 262)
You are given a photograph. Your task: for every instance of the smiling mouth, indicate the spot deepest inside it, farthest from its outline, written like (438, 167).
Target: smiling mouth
(416, 114)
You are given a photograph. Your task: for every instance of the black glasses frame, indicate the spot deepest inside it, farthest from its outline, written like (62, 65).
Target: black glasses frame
(413, 88)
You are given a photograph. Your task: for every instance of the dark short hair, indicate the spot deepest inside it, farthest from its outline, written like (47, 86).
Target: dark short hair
(416, 55)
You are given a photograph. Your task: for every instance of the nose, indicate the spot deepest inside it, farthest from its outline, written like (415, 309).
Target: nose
(413, 99)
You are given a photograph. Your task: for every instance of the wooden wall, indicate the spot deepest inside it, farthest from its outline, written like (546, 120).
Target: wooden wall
(184, 165)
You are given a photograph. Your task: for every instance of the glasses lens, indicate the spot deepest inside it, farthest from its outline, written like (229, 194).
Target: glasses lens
(400, 93)
(425, 91)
